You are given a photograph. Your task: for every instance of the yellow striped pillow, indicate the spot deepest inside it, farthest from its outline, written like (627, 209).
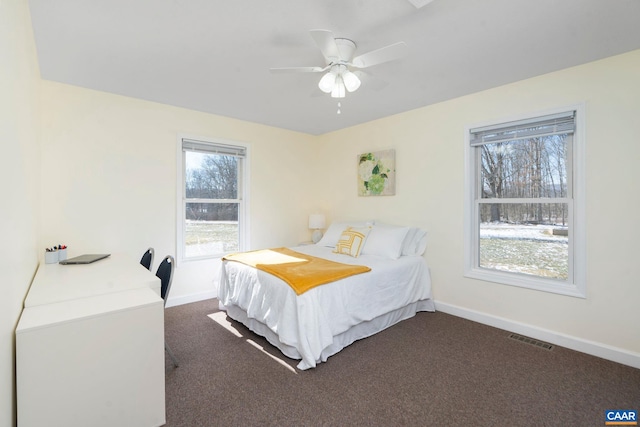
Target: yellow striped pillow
(351, 241)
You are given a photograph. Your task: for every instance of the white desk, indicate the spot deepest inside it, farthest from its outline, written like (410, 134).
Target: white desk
(58, 282)
(90, 347)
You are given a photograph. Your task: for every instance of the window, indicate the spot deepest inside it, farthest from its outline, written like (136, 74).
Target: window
(212, 203)
(524, 205)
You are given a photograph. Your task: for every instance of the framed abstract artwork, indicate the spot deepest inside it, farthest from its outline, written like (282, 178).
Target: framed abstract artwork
(377, 173)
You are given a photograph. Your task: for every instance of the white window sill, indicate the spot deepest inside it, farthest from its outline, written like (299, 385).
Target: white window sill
(524, 281)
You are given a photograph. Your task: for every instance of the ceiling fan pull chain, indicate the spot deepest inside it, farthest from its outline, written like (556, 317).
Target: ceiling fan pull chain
(339, 112)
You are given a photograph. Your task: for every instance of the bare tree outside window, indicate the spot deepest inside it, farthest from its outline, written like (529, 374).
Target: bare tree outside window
(523, 208)
(212, 204)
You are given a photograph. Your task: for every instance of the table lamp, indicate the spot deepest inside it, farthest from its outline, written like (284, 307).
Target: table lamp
(316, 223)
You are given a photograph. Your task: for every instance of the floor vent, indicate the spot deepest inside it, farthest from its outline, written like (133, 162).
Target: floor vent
(531, 341)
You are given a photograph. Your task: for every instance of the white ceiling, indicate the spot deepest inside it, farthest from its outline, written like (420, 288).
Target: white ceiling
(214, 55)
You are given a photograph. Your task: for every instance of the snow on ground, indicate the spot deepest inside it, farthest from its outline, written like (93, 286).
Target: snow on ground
(499, 230)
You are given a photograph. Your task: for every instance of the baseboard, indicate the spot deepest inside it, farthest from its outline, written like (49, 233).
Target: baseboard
(604, 351)
(186, 299)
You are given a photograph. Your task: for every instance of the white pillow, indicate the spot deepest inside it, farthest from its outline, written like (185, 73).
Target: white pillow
(415, 243)
(408, 246)
(352, 240)
(421, 242)
(331, 236)
(386, 241)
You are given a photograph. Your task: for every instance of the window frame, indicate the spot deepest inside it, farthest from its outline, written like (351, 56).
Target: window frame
(181, 200)
(576, 283)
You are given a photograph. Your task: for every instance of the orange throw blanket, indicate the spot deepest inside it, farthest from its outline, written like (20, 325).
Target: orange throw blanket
(302, 272)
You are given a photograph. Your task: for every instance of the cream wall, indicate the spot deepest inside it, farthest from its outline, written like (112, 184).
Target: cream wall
(19, 172)
(429, 144)
(109, 178)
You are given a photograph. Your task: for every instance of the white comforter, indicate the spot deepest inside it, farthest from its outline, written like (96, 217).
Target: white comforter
(308, 322)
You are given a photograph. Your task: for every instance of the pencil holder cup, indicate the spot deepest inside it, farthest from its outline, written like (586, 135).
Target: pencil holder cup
(62, 254)
(51, 257)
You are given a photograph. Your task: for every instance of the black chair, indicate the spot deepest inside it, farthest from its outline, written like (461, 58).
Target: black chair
(147, 259)
(165, 273)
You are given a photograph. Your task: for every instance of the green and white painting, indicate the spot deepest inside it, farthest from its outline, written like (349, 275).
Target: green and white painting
(377, 173)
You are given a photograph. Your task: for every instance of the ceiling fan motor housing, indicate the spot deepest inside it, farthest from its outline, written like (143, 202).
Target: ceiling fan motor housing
(346, 49)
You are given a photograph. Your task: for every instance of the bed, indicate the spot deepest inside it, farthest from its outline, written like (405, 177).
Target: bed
(321, 321)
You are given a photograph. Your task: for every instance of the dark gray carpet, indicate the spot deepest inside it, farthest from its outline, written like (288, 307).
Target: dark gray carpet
(432, 370)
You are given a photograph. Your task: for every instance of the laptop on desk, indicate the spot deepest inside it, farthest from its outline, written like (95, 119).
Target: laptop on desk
(84, 259)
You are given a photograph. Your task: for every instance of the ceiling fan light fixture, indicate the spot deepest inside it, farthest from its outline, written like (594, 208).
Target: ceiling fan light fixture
(351, 81)
(340, 60)
(338, 89)
(327, 83)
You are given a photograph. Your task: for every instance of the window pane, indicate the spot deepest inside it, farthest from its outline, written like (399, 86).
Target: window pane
(519, 243)
(211, 229)
(525, 213)
(210, 176)
(528, 168)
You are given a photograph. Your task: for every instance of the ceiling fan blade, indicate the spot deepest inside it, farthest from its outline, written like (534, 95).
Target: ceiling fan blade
(378, 56)
(298, 69)
(371, 82)
(327, 44)
(420, 3)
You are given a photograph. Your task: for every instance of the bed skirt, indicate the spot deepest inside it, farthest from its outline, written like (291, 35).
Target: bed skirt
(340, 341)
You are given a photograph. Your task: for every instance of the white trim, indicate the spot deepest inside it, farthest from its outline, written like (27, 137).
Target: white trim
(186, 299)
(179, 214)
(592, 348)
(579, 244)
(576, 285)
(525, 281)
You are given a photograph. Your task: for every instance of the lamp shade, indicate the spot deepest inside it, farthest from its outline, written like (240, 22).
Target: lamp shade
(338, 89)
(351, 81)
(327, 82)
(316, 221)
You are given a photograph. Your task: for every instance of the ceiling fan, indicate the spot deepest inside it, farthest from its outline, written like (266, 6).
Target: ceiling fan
(340, 61)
